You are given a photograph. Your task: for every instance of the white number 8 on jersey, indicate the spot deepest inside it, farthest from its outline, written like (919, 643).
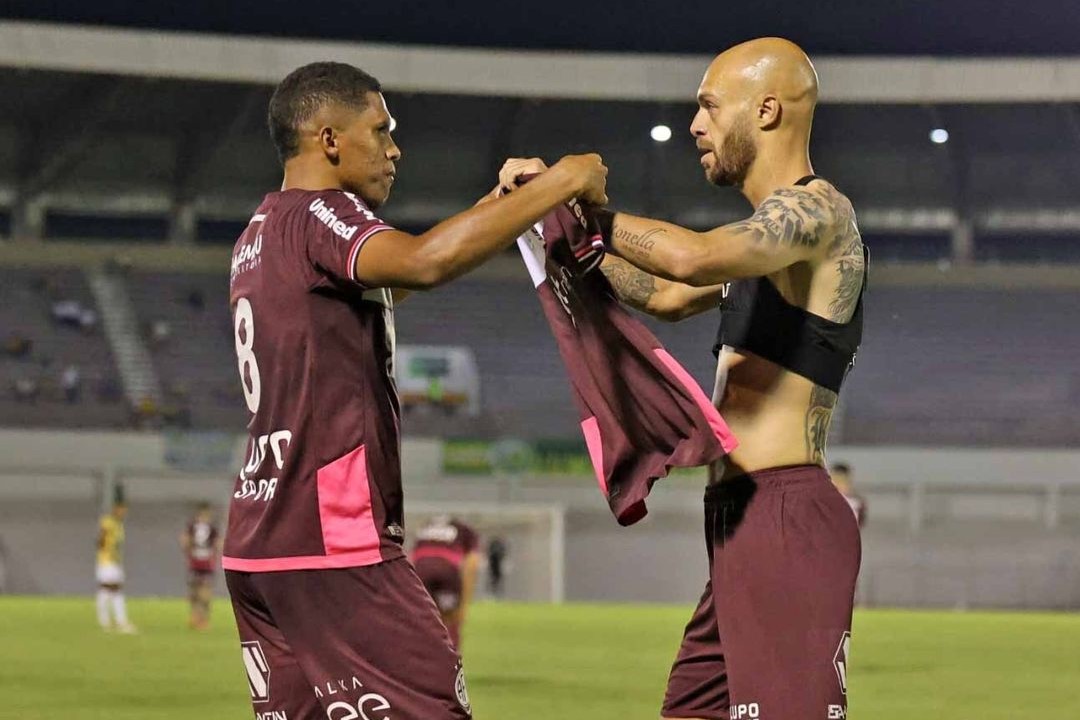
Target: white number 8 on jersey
(245, 353)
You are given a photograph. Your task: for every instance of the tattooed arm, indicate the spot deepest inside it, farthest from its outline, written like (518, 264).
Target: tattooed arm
(788, 227)
(660, 298)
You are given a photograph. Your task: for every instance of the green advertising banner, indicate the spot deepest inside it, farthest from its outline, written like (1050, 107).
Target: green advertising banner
(517, 457)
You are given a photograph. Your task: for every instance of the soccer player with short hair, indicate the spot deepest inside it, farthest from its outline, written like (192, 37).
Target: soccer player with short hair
(333, 620)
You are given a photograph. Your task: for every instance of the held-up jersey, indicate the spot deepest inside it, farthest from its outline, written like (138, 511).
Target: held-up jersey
(641, 412)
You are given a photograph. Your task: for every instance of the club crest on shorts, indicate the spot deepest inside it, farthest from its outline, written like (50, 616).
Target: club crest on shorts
(461, 692)
(258, 671)
(840, 660)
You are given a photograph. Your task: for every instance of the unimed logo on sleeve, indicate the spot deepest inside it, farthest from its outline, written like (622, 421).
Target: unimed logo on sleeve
(258, 671)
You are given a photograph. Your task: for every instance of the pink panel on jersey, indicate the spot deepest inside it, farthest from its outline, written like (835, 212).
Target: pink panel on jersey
(304, 562)
(591, 428)
(719, 427)
(348, 525)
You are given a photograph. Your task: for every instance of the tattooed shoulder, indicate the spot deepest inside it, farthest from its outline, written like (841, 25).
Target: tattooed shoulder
(846, 258)
(790, 216)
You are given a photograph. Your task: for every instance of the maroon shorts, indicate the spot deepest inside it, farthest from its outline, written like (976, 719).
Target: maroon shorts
(769, 639)
(443, 581)
(348, 644)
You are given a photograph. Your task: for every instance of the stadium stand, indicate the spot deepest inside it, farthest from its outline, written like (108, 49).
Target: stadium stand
(49, 323)
(187, 327)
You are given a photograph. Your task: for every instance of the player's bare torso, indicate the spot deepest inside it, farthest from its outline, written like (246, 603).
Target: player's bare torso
(779, 417)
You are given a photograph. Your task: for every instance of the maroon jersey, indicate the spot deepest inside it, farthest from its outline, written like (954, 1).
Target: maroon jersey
(321, 486)
(641, 412)
(445, 538)
(202, 545)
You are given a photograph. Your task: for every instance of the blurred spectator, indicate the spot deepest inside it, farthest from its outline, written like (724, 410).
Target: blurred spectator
(88, 320)
(496, 559)
(67, 312)
(145, 413)
(160, 332)
(71, 383)
(26, 389)
(18, 346)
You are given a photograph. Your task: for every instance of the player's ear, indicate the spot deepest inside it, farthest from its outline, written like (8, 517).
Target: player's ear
(768, 112)
(330, 143)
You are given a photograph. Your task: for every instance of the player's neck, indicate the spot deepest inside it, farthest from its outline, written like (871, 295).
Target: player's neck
(301, 173)
(773, 169)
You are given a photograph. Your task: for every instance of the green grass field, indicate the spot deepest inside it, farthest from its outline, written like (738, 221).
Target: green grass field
(525, 662)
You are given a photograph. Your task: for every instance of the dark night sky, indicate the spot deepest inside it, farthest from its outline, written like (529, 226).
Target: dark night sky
(945, 27)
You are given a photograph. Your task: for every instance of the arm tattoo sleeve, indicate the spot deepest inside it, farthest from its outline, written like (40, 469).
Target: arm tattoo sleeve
(632, 286)
(790, 216)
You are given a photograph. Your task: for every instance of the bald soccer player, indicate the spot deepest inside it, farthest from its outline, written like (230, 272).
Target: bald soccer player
(769, 640)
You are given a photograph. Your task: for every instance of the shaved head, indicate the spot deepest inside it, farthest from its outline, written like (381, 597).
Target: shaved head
(756, 96)
(764, 66)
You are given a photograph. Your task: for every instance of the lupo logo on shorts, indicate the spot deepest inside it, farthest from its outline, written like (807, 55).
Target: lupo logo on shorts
(745, 711)
(258, 671)
(840, 660)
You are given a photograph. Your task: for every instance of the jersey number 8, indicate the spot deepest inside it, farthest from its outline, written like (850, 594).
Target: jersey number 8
(245, 354)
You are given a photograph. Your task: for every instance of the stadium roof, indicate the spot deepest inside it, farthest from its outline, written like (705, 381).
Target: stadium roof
(867, 27)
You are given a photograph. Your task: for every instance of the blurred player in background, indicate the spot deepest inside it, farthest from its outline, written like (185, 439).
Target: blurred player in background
(326, 602)
(770, 636)
(111, 604)
(496, 565)
(843, 478)
(446, 558)
(201, 543)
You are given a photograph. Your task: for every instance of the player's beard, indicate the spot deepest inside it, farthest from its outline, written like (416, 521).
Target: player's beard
(735, 157)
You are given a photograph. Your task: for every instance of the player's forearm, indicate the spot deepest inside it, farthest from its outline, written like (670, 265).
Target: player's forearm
(642, 291)
(463, 242)
(660, 248)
